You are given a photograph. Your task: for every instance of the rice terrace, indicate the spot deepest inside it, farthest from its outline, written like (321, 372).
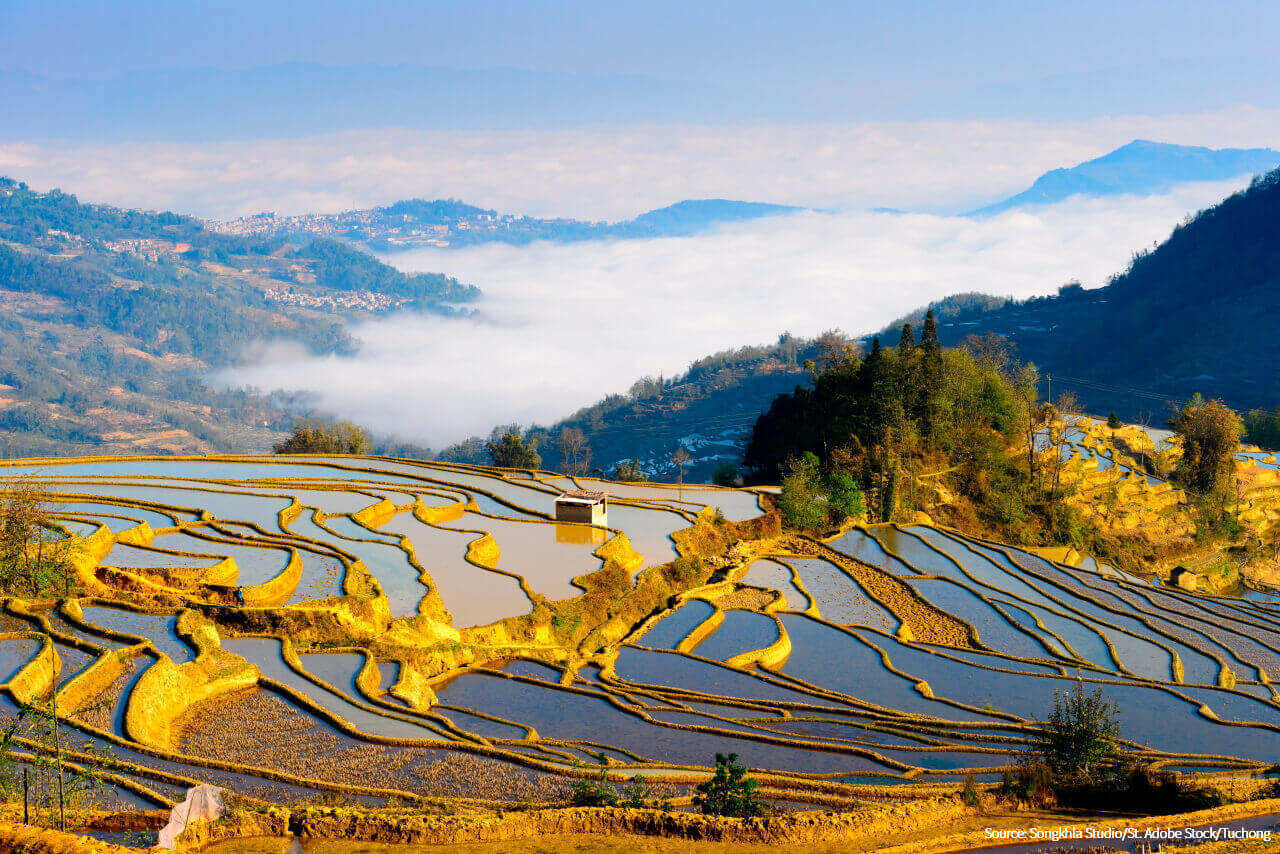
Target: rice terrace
(685, 428)
(384, 632)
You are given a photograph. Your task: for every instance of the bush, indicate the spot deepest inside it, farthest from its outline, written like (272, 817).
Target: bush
(801, 502)
(725, 474)
(1080, 735)
(595, 793)
(970, 794)
(730, 791)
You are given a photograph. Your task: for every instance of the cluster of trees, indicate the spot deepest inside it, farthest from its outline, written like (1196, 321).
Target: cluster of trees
(511, 451)
(729, 791)
(317, 437)
(1262, 427)
(859, 439)
(1210, 434)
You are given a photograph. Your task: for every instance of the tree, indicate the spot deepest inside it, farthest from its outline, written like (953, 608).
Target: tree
(726, 474)
(730, 791)
(680, 459)
(931, 379)
(595, 793)
(513, 452)
(1113, 421)
(57, 784)
(575, 451)
(1025, 385)
(35, 560)
(1210, 441)
(629, 470)
(1080, 734)
(316, 437)
(801, 501)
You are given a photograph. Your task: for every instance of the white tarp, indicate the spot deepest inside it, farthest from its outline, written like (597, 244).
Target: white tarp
(203, 803)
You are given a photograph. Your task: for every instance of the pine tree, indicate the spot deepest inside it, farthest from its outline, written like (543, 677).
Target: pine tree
(907, 343)
(927, 403)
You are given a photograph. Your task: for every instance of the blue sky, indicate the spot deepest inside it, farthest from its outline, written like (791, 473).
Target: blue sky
(606, 109)
(746, 60)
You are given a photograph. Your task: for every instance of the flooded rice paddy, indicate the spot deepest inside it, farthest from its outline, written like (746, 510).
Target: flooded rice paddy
(391, 626)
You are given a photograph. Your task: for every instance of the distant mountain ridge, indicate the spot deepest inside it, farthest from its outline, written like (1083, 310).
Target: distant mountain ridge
(1196, 314)
(450, 223)
(1140, 168)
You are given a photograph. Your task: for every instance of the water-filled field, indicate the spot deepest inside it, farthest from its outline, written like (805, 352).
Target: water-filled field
(399, 629)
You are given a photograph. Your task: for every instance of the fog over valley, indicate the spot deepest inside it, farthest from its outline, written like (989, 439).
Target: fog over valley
(560, 326)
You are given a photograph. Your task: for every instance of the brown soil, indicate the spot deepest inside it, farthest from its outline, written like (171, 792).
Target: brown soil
(258, 728)
(928, 624)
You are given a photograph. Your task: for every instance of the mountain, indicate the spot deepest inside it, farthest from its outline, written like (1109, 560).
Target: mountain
(708, 410)
(449, 223)
(1139, 168)
(1195, 314)
(110, 320)
(694, 215)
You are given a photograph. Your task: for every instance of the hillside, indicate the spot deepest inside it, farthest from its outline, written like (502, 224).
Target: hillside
(1139, 168)
(1193, 315)
(452, 224)
(708, 410)
(112, 318)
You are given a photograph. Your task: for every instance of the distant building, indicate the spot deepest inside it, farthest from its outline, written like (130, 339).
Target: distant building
(583, 505)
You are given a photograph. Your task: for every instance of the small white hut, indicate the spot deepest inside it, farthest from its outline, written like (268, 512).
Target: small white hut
(583, 505)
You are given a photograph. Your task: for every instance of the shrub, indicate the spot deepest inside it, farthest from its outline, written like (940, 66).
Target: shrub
(1080, 734)
(595, 793)
(730, 791)
(640, 795)
(970, 794)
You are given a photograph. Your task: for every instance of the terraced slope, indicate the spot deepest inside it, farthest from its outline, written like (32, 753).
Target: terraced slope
(386, 628)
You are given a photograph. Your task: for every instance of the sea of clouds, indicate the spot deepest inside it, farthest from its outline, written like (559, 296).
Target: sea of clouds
(560, 326)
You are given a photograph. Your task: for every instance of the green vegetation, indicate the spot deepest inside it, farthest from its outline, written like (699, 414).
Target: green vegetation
(1076, 761)
(314, 437)
(1199, 305)
(718, 395)
(1262, 427)
(862, 440)
(110, 320)
(630, 471)
(1079, 737)
(34, 557)
(726, 473)
(595, 793)
(1210, 441)
(344, 268)
(729, 791)
(1207, 468)
(513, 452)
(969, 794)
(51, 785)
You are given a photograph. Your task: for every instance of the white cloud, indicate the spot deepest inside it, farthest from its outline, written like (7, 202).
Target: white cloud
(613, 172)
(563, 325)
